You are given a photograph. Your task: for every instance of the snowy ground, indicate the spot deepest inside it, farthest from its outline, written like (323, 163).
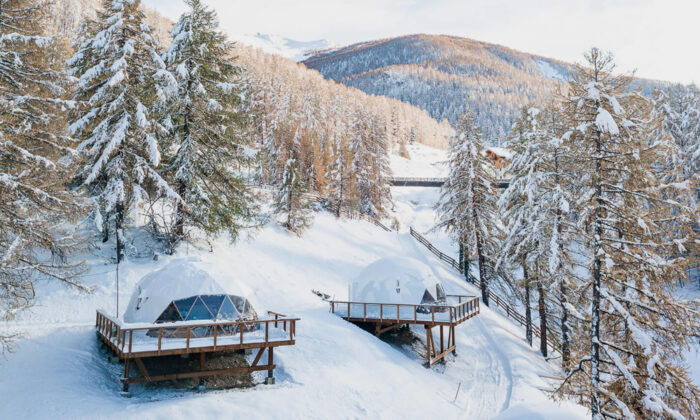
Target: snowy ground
(336, 370)
(425, 162)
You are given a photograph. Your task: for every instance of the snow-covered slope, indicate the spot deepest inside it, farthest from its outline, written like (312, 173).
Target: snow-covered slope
(277, 44)
(335, 370)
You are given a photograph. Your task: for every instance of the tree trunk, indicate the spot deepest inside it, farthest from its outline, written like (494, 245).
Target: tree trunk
(180, 221)
(595, 301)
(528, 308)
(563, 298)
(543, 319)
(118, 230)
(460, 256)
(482, 271)
(565, 350)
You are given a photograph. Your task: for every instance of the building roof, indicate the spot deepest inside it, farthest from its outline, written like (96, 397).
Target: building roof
(501, 152)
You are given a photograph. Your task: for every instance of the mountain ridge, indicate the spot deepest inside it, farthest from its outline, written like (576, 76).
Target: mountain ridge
(447, 74)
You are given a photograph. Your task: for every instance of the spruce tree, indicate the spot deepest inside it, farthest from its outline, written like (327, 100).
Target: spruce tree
(122, 81)
(630, 363)
(340, 189)
(468, 201)
(34, 202)
(290, 199)
(205, 119)
(370, 163)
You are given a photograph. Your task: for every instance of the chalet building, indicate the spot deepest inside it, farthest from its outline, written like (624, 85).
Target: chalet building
(500, 156)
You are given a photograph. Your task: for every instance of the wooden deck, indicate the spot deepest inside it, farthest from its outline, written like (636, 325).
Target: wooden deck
(133, 342)
(389, 316)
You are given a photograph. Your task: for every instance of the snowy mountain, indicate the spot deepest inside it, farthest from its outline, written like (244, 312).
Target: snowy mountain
(277, 44)
(446, 75)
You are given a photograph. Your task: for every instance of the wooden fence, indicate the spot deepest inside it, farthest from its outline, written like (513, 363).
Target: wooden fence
(121, 336)
(467, 307)
(493, 297)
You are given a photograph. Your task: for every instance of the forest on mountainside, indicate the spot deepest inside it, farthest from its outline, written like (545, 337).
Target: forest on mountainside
(446, 75)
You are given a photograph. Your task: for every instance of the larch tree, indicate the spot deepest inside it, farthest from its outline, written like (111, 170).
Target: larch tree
(630, 363)
(36, 209)
(122, 84)
(205, 121)
(468, 208)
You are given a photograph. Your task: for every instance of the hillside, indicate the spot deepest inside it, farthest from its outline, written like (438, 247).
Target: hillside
(446, 75)
(335, 370)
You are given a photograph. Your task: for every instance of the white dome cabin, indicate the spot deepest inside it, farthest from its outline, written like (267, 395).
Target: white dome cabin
(182, 309)
(181, 291)
(397, 280)
(397, 291)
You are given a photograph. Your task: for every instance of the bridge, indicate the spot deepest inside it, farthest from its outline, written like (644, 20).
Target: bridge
(431, 182)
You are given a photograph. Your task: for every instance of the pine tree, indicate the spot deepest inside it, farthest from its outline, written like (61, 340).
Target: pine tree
(468, 201)
(370, 163)
(121, 82)
(206, 128)
(630, 363)
(534, 208)
(34, 202)
(679, 107)
(340, 183)
(290, 200)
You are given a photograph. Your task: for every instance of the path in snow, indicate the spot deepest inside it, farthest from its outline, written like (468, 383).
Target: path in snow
(494, 386)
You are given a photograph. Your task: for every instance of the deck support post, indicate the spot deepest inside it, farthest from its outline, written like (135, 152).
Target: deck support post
(442, 342)
(125, 380)
(428, 344)
(270, 380)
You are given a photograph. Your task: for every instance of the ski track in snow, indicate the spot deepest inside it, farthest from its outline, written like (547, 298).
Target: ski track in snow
(488, 357)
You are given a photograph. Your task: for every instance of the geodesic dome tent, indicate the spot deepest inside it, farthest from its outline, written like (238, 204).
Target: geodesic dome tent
(397, 280)
(182, 291)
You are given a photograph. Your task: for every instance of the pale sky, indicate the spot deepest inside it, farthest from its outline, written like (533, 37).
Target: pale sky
(658, 38)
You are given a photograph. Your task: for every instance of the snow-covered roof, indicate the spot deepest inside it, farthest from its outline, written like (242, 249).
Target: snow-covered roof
(394, 280)
(179, 279)
(501, 152)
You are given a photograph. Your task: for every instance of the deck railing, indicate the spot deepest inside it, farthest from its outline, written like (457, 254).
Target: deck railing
(500, 302)
(467, 307)
(121, 335)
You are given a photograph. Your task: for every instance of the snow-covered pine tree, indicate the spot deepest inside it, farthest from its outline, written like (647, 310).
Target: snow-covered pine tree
(370, 163)
(121, 82)
(34, 201)
(205, 119)
(534, 208)
(468, 208)
(340, 189)
(521, 241)
(679, 107)
(290, 200)
(630, 363)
